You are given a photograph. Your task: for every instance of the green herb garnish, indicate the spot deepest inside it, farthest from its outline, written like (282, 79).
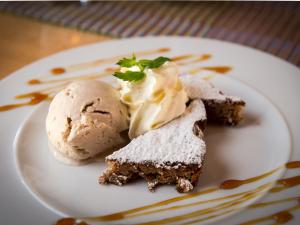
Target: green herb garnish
(157, 62)
(125, 62)
(130, 75)
(142, 64)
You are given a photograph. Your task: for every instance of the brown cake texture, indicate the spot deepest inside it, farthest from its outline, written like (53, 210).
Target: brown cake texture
(164, 155)
(184, 176)
(171, 159)
(227, 112)
(220, 108)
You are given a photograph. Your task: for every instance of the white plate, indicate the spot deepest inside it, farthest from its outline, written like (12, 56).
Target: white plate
(266, 140)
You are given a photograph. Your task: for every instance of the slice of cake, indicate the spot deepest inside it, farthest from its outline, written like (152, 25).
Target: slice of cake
(219, 107)
(172, 154)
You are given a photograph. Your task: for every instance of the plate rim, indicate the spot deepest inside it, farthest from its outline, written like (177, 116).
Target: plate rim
(13, 74)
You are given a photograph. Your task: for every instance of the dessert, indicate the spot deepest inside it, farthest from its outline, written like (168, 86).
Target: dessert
(85, 119)
(220, 108)
(172, 154)
(155, 97)
(167, 116)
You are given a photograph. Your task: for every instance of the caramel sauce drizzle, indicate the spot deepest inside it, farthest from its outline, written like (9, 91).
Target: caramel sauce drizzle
(285, 215)
(245, 193)
(217, 69)
(286, 183)
(282, 217)
(58, 71)
(182, 57)
(108, 71)
(279, 217)
(42, 95)
(201, 58)
(69, 79)
(34, 81)
(211, 217)
(39, 96)
(123, 214)
(292, 165)
(70, 221)
(230, 184)
(66, 221)
(35, 98)
(205, 211)
(111, 69)
(86, 65)
(263, 204)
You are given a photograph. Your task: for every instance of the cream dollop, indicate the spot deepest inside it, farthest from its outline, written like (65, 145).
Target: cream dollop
(155, 100)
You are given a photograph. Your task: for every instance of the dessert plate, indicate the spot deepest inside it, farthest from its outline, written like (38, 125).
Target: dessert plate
(255, 153)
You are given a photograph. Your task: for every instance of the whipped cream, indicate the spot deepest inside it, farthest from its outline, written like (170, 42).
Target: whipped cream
(154, 101)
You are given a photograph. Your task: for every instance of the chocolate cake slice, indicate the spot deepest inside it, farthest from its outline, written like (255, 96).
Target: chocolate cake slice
(220, 108)
(172, 154)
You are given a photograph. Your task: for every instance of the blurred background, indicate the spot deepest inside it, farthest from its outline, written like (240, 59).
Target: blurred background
(31, 30)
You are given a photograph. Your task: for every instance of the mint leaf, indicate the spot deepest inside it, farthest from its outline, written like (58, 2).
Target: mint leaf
(153, 63)
(128, 62)
(144, 62)
(158, 62)
(130, 75)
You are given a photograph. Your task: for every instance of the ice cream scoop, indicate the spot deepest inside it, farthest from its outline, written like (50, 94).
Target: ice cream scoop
(85, 119)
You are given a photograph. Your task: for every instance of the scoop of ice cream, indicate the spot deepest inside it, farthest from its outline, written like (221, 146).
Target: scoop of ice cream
(84, 119)
(155, 100)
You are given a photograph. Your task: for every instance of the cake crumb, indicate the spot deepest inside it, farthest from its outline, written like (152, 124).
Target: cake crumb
(184, 185)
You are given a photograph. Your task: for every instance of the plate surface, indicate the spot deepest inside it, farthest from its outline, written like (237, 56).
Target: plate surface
(265, 141)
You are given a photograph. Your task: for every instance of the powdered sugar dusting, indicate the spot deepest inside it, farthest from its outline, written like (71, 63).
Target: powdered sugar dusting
(173, 143)
(199, 88)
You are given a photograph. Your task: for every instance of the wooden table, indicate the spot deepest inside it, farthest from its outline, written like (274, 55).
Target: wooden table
(23, 41)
